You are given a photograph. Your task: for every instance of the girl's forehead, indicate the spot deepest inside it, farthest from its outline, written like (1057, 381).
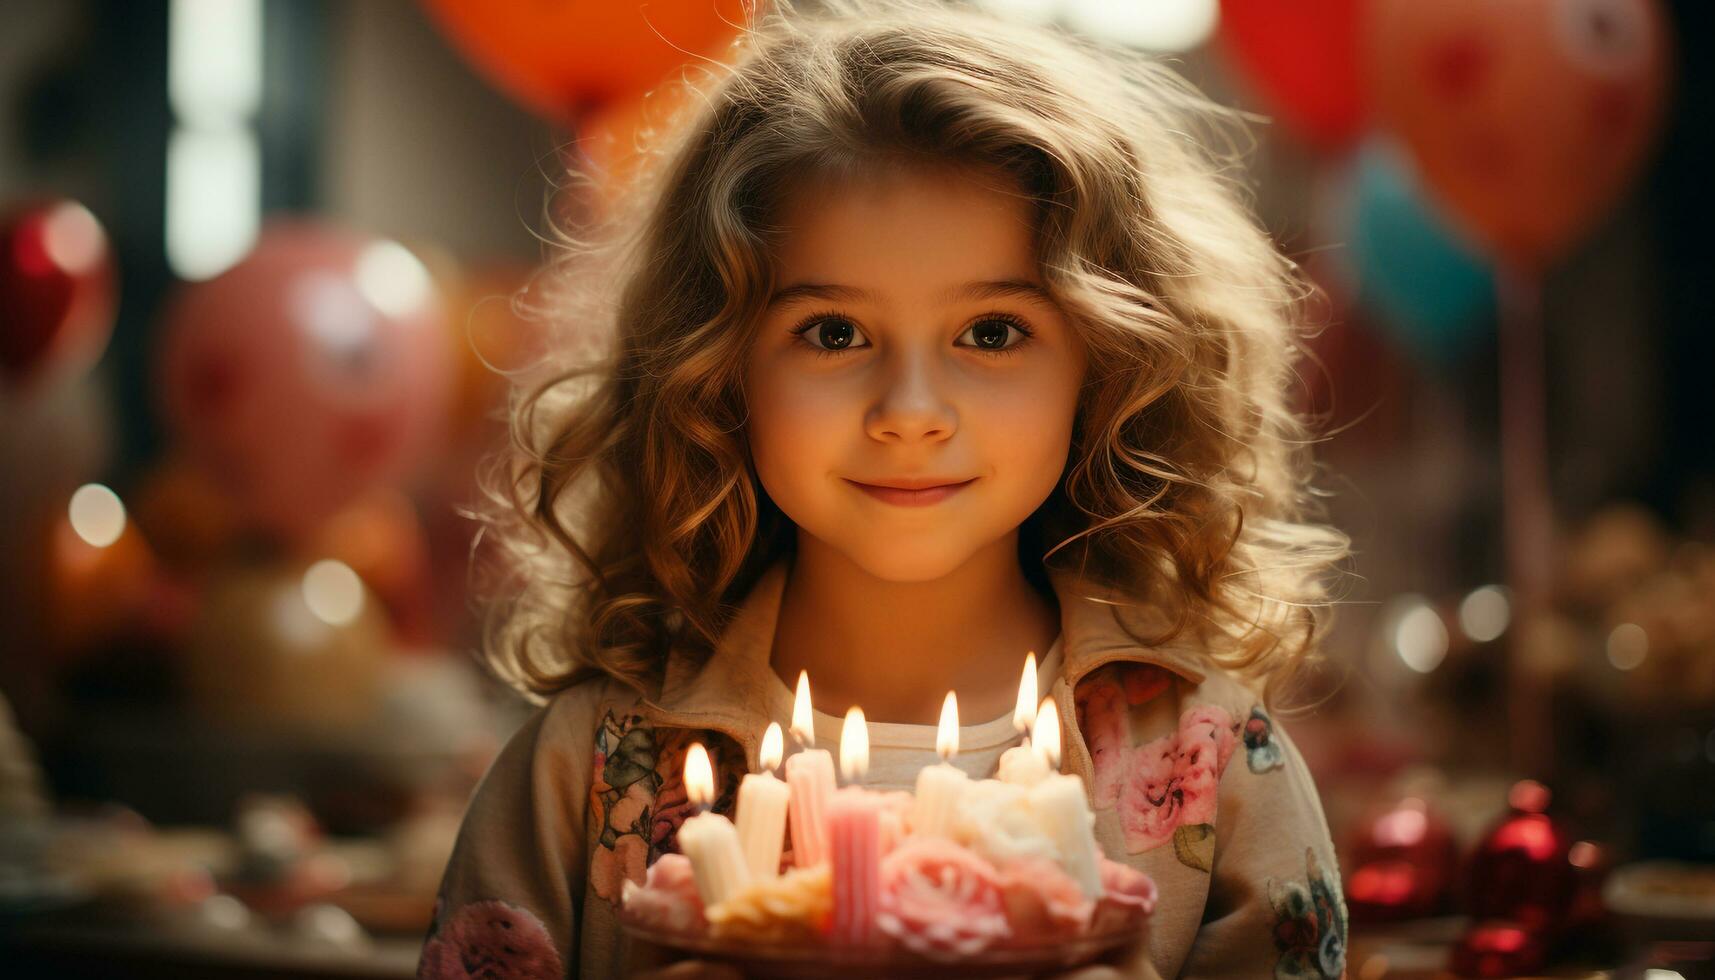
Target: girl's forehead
(902, 225)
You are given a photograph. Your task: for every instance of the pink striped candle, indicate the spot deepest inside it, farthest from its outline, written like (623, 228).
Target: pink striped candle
(809, 783)
(854, 844)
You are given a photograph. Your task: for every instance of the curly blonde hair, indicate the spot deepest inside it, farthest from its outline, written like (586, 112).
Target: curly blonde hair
(625, 517)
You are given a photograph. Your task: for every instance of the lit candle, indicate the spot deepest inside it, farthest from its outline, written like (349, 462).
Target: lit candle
(1062, 810)
(940, 787)
(854, 841)
(1022, 764)
(809, 781)
(708, 839)
(762, 802)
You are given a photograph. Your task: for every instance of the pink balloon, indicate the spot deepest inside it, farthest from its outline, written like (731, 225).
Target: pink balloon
(1528, 119)
(313, 370)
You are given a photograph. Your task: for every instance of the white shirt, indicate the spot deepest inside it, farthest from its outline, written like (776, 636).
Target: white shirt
(897, 750)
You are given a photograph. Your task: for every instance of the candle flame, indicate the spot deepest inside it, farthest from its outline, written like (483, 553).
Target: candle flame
(699, 776)
(1045, 734)
(803, 718)
(854, 746)
(947, 735)
(773, 747)
(1025, 713)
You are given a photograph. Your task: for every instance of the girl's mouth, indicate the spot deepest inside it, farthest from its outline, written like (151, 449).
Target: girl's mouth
(912, 498)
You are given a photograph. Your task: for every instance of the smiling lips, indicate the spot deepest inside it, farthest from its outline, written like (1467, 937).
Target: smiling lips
(913, 493)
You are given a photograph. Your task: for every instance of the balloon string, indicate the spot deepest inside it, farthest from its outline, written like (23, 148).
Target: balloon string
(1526, 503)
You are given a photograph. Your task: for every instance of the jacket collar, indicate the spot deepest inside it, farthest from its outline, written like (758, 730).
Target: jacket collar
(735, 689)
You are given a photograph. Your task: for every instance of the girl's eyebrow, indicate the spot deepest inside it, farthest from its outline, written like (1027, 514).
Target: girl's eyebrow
(981, 289)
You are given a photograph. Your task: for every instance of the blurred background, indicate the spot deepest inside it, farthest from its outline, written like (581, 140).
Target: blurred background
(262, 259)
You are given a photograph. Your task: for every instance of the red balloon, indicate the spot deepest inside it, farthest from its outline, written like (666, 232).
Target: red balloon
(1527, 118)
(1304, 57)
(313, 370)
(563, 58)
(56, 290)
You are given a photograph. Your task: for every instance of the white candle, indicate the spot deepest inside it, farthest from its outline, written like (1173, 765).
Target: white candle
(708, 839)
(1024, 765)
(1063, 811)
(809, 782)
(762, 800)
(940, 787)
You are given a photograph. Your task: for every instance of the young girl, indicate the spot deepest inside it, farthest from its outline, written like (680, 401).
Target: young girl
(926, 341)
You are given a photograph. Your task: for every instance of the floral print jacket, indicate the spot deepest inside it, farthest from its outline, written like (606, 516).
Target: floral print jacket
(1191, 780)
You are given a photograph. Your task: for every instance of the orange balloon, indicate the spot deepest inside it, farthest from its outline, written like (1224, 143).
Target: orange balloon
(381, 538)
(1528, 118)
(185, 514)
(492, 337)
(565, 57)
(96, 592)
(617, 141)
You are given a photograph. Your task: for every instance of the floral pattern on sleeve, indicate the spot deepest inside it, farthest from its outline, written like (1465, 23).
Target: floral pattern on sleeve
(638, 798)
(1309, 925)
(1262, 752)
(490, 941)
(1166, 789)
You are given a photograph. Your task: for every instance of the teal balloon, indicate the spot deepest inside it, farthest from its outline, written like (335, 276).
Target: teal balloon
(1430, 288)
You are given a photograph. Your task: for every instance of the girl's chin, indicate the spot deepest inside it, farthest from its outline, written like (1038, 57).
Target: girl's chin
(908, 564)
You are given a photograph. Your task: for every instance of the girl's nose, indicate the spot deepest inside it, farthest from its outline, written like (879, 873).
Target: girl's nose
(912, 402)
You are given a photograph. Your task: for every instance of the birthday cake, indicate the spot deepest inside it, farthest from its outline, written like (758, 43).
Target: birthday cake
(959, 870)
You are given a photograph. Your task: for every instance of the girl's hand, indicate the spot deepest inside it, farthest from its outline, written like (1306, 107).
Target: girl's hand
(692, 970)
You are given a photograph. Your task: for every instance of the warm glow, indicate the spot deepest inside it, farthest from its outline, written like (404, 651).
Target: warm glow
(773, 747)
(1406, 826)
(1045, 734)
(97, 515)
(1155, 25)
(214, 157)
(1420, 637)
(73, 239)
(803, 719)
(1485, 613)
(333, 592)
(699, 776)
(392, 279)
(947, 735)
(1628, 645)
(1585, 854)
(1529, 795)
(854, 746)
(1025, 713)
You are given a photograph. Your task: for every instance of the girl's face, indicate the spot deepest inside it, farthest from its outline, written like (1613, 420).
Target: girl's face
(910, 340)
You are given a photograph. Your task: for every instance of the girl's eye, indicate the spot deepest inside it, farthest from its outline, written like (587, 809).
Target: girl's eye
(828, 333)
(990, 334)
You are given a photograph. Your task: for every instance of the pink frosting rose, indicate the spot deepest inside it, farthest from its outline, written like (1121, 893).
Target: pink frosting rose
(1043, 902)
(895, 818)
(668, 899)
(940, 900)
(490, 941)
